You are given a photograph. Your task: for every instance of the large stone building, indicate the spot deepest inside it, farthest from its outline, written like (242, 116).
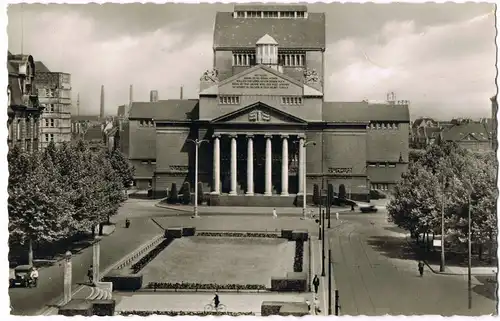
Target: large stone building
(54, 92)
(257, 108)
(23, 108)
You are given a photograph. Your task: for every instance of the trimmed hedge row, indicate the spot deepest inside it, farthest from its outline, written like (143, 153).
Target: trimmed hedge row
(123, 282)
(183, 313)
(292, 282)
(204, 286)
(88, 308)
(150, 256)
(238, 234)
(299, 256)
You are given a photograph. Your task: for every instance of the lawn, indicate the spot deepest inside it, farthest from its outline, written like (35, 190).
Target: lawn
(221, 260)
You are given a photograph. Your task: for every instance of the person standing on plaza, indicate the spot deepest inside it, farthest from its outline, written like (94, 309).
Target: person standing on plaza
(337, 216)
(274, 213)
(317, 309)
(34, 276)
(90, 274)
(316, 284)
(421, 268)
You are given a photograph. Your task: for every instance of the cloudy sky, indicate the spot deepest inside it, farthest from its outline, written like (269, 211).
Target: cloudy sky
(441, 57)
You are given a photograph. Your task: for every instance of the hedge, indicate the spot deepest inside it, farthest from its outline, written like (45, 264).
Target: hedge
(292, 282)
(286, 234)
(188, 231)
(173, 233)
(238, 234)
(183, 313)
(298, 235)
(204, 286)
(186, 193)
(138, 266)
(299, 256)
(201, 195)
(130, 282)
(173, 198)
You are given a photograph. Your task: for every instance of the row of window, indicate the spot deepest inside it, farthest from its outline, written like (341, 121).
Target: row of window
(50, 122)
(287, 60)
(291, 100)
(270, 14)
(229, 100)
(381, 187)
(382, 165)
(147, 123)
(148, 162)
(383, 126)
(17, 128)
(49, 137)
(235, 100)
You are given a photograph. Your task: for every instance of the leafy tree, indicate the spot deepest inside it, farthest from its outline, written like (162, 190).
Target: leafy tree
(38, 207)
(186, 193)
(121, 166)
(342, 193)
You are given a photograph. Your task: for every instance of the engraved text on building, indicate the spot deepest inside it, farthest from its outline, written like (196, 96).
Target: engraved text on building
(260, 81)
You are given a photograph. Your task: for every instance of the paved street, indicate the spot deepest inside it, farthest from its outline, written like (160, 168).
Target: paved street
(114, 247)
(376, 274)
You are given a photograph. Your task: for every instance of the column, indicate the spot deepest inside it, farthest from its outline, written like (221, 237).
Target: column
(301, 165)
(216, 164)
(233, 166)
(32, 133)
(250, 165)
(284, 166)
(23, 133)
(269, 155)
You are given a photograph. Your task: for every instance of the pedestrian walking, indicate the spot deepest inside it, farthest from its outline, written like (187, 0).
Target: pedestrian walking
(312, 214)
(90, 274)
(337, 216)
(308, 305)
(316, 283)
(352, 207)
(34, 276)
(274, 213)
(421, 268)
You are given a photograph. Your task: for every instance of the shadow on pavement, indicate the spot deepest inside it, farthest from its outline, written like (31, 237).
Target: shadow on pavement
(394, 229)
(392, 247)
(487, 288)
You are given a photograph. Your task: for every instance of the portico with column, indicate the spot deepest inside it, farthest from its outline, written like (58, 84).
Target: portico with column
(261, 163)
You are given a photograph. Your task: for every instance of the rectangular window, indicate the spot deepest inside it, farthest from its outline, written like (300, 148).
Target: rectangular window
(294, 101)
(153, 162)
(46, 123)
(392, 165)
(144, 162)
(292, 59)
(51, 137)
(243, 59)
(381, 165)
(229, 100)
(52, 123)
(141, 123)
(372, 165)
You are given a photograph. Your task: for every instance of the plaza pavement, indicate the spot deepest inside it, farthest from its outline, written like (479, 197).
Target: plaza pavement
(375, 271)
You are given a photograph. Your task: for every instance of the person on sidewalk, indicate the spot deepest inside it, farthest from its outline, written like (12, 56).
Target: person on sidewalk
(34, 276)
(308, 305)
(316, 284)
(274, 213)
(337, 216)
(90, 274)
(421, 268)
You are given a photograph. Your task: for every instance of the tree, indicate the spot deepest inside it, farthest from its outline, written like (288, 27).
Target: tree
(186, 193)
(316, 199)
(173, 197)
(201, 196)
(38, 206)
(342, 193)
(121, 166)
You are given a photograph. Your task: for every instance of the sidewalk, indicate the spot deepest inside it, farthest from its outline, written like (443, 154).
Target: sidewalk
(453, 270)
(316, 270)
(243, 210)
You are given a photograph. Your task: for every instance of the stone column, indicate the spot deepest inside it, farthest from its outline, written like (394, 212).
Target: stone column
(23, 133)
(216, 164)
(269, 174)
(233, 166)
(284, 166)
(250, 165)
(301, 165)
(32, 133)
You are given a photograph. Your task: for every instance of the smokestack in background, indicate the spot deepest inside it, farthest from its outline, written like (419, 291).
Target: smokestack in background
(182, 92)
(131, 95)
(153, 96)
(101, 114)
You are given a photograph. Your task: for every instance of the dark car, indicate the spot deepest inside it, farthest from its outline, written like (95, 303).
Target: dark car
(21, 276)
(368, 209)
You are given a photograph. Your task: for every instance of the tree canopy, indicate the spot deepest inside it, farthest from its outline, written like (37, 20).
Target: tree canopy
(63, 190)
(447, 176)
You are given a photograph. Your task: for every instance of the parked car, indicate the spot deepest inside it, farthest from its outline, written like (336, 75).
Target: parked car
(368, 209)
(21, 276)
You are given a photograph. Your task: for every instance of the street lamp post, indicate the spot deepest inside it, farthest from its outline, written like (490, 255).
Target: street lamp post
(469, 243)
(442, 265)
(304, 202)
(197, 143)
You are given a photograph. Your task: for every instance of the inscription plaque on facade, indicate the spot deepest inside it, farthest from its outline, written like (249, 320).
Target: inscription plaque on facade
(258, 116)
(340, 170)
(260, 81)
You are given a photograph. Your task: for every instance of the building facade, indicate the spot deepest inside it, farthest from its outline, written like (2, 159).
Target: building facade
(54, 92)
(263, 119)
(23, 108)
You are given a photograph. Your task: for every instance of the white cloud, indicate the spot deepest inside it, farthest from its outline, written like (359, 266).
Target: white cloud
(445, 71)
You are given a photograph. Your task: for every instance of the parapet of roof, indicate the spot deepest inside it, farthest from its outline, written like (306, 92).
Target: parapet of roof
(364, 112)
(172, 109)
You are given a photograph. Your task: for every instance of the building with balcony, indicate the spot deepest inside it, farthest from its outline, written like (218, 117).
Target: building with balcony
(260, 109)
(23, 108)
(54, 92)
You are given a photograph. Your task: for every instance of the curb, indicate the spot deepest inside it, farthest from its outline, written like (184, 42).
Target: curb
(410, 243)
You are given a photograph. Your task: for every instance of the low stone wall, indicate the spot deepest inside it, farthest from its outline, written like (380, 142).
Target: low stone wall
(255, 201)
(297, 309)
(88, 308)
